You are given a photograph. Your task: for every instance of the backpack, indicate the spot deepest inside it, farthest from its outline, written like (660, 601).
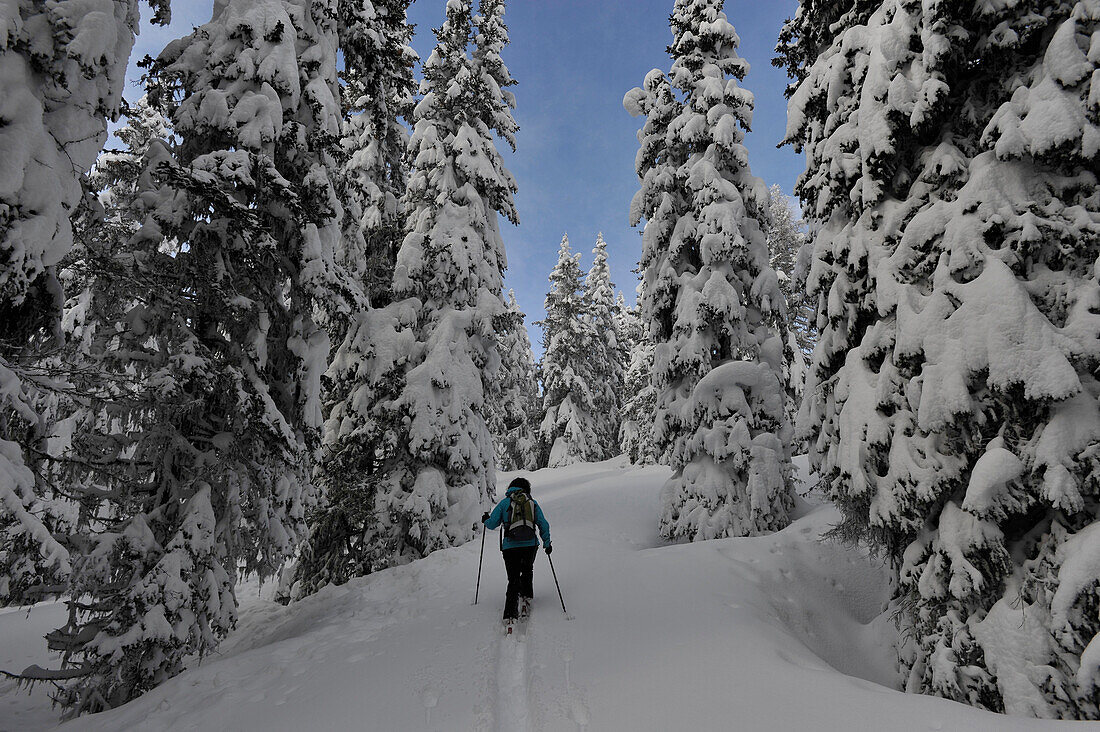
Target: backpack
(519, 524)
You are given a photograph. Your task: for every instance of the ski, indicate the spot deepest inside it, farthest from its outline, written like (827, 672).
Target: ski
(524, 618)
(518, 625)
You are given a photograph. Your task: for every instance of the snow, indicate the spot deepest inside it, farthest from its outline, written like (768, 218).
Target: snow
(1078, 573)
(985, 333)
(18, 502)
(1074, 426)
(1008, 634)
(994, 469)
(21, 645)
(775, 632)
(61, 71)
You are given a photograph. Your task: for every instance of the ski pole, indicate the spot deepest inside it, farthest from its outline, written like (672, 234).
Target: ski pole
(556, 584)
(479, 563)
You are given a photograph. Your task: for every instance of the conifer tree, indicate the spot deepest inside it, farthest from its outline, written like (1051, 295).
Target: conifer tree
(606, 356)
(211, 470)
(568, 432)
(661, 202)
(639, 397)
(115, 175)
(409, 458)
(69, 384)
(379, 93)
(785, 242)
(952, 404)
(709, 292)
(450, 268)
(624, 318)
(98, 402)
(490, 38)
(98, 289)
(515, 409)
(786, 239)
(62, 68)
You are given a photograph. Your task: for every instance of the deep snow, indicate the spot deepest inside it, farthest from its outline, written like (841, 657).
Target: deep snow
(779, 632)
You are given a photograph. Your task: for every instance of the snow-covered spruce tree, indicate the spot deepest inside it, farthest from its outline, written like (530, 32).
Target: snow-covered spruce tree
(515, 410)
(605, 359)
(623, 314)
(69, 388)
(517, 369)
(94, 402)
(408, 455)
(952, 402)
(786, 239)
(62, 67)
(490, 38)
(639, 398)
(115, 174)
(242, 225)
(450, 270)
(568, 432)
(379, 93)
(785, 243)
(711, 296)
(362, 437)
(100, 275)
(661, 201)
(784, 236)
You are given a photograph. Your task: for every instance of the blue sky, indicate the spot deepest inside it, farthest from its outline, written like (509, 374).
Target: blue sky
(574, 163)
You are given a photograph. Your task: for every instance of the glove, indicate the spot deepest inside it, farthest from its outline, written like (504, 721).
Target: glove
(549, 549)
(484, 517)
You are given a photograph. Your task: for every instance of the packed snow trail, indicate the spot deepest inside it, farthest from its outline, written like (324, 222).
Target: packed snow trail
(777, 632)
(513, 689)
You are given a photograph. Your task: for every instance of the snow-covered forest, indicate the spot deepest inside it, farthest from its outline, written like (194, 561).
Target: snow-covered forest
(264, 365)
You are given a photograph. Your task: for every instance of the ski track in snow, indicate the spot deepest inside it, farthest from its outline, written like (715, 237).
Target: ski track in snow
(518, 707)
(513, 704)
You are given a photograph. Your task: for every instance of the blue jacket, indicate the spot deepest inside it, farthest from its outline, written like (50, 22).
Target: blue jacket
(501, 511)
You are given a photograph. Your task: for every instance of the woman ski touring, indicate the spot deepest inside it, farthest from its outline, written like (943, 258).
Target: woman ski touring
(519, 514)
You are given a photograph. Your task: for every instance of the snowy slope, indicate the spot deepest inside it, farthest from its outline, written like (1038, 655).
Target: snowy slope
(772, 633)
(21, 644)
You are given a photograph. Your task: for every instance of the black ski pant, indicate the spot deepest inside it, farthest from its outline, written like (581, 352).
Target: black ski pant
(520, 564)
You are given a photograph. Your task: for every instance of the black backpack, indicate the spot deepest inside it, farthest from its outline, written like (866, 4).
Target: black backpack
(519, 524)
